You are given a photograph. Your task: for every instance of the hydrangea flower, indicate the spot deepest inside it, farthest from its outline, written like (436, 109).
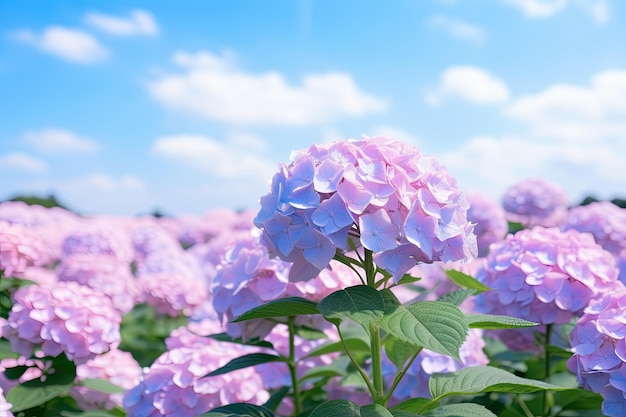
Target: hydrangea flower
(100, 237)
(384, 194)
(490, 219)
(115, 366)
(19, 249)
(69, 318)
(5, 407)
(103, 273)
(599, 344)
(175, 384)
(545, 275)
(415, 382)
(535, 202)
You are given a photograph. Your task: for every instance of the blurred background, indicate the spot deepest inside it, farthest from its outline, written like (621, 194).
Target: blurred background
(131, 107)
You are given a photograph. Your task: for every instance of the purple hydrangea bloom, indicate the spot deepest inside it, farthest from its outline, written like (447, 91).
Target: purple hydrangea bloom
(401, 205)
(490, 219)
(115, 366)
(5, 407)
(415, 382)
(535, 202)
(103, 273)
(545, 275)
(69, 318)
(175, 384)
(599, 344)
(100, 236)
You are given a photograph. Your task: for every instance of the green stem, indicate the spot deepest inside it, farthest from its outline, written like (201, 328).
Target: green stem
(376, 346)
(547, 395)
(293, 365)
(370, 268)
(400, 375)
(370, 387)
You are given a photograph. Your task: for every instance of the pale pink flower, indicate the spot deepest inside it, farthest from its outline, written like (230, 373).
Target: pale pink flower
(535, 202)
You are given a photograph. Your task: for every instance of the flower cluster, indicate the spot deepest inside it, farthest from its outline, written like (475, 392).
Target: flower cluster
(490, 219)
(5, 407)
(535, 202)
(384, 194)
(18, 249)
(599, 344)
(69, 318)
(545, 275)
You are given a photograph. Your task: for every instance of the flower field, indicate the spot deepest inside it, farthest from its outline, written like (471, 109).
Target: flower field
(365, 284)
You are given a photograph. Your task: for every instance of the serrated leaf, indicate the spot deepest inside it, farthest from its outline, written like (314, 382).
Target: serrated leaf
(246, 361)
(496, 322)
(466, 281)
(457, 297)
(284, 307)
(460, 410)
(361, 303)
(101, 385)
(478, 379)
(239, 410)
(440, 327)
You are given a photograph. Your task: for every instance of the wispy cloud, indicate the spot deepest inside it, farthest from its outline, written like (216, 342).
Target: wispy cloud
(214, 87)
(138, 22)
(22, 162)
(54, 140)
(470, 83)
(458, 28)
(599, 10)
(69, 44)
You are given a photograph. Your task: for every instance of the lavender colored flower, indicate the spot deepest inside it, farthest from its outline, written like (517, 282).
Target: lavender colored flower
(175, 384)
(545, 275)
(490, 219)
(599, 344)
(5, 407)
(535, 202)
(172, 285)
(19, 249)
(150, 238)
(103, 273)
(115, 366)
(401, 205)
(69, 318)
(415, 382)
(100, 236)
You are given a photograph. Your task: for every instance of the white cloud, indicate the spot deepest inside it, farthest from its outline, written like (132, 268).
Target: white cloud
(69, 44)
(470, 83)
(598, 9)
(570, 112)
(22, 162)
(215, 88)
(139, 22)
(227, 161)
(458, 28)
(54, 140)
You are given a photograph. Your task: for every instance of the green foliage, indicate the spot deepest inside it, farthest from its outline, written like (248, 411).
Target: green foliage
(245, 361)
(285, 307)
(239, 410)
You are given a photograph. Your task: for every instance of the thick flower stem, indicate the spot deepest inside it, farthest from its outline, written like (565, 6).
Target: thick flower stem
(293, 366)
(375, 341)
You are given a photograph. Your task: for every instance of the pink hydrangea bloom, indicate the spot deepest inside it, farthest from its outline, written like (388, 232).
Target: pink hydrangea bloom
(172, 284)
(5, 407)
(19, 248)
(98, 236)
(103, 273)
(415, 382)
(115, 366)
(545, 275)
(535, 202)
(68, 318)
(599, 344)
(490, 219)
(150, 238)
(401, 205)
(175, 384)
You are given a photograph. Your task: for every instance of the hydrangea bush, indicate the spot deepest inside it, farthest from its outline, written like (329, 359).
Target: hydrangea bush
(367, 283)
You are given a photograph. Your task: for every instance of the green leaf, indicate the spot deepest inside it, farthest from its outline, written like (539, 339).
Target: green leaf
(477, 379)
(402, 413)
(90, 413)
(309, 333)
(495, 322)
(276, 398)
(515, 227)
(7, 283)
(466, 281)
(457, 297)
(224, 337)
(239, 410)
(361, 303)
(15, 372)
(460, 410)
(101, 385)
(414, 405)
(578, 399)
(246, 361)
(398, 351)
(408, 279)
(6, 351)
(284, 307)
(33, 393)
(321, 372)
(440, 327)
(344, 408)
(354, 344)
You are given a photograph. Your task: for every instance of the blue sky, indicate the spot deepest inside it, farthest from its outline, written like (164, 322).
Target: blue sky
(125, 107)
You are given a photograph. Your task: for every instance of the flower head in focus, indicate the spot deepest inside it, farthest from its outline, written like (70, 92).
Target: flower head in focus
(381, 193)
